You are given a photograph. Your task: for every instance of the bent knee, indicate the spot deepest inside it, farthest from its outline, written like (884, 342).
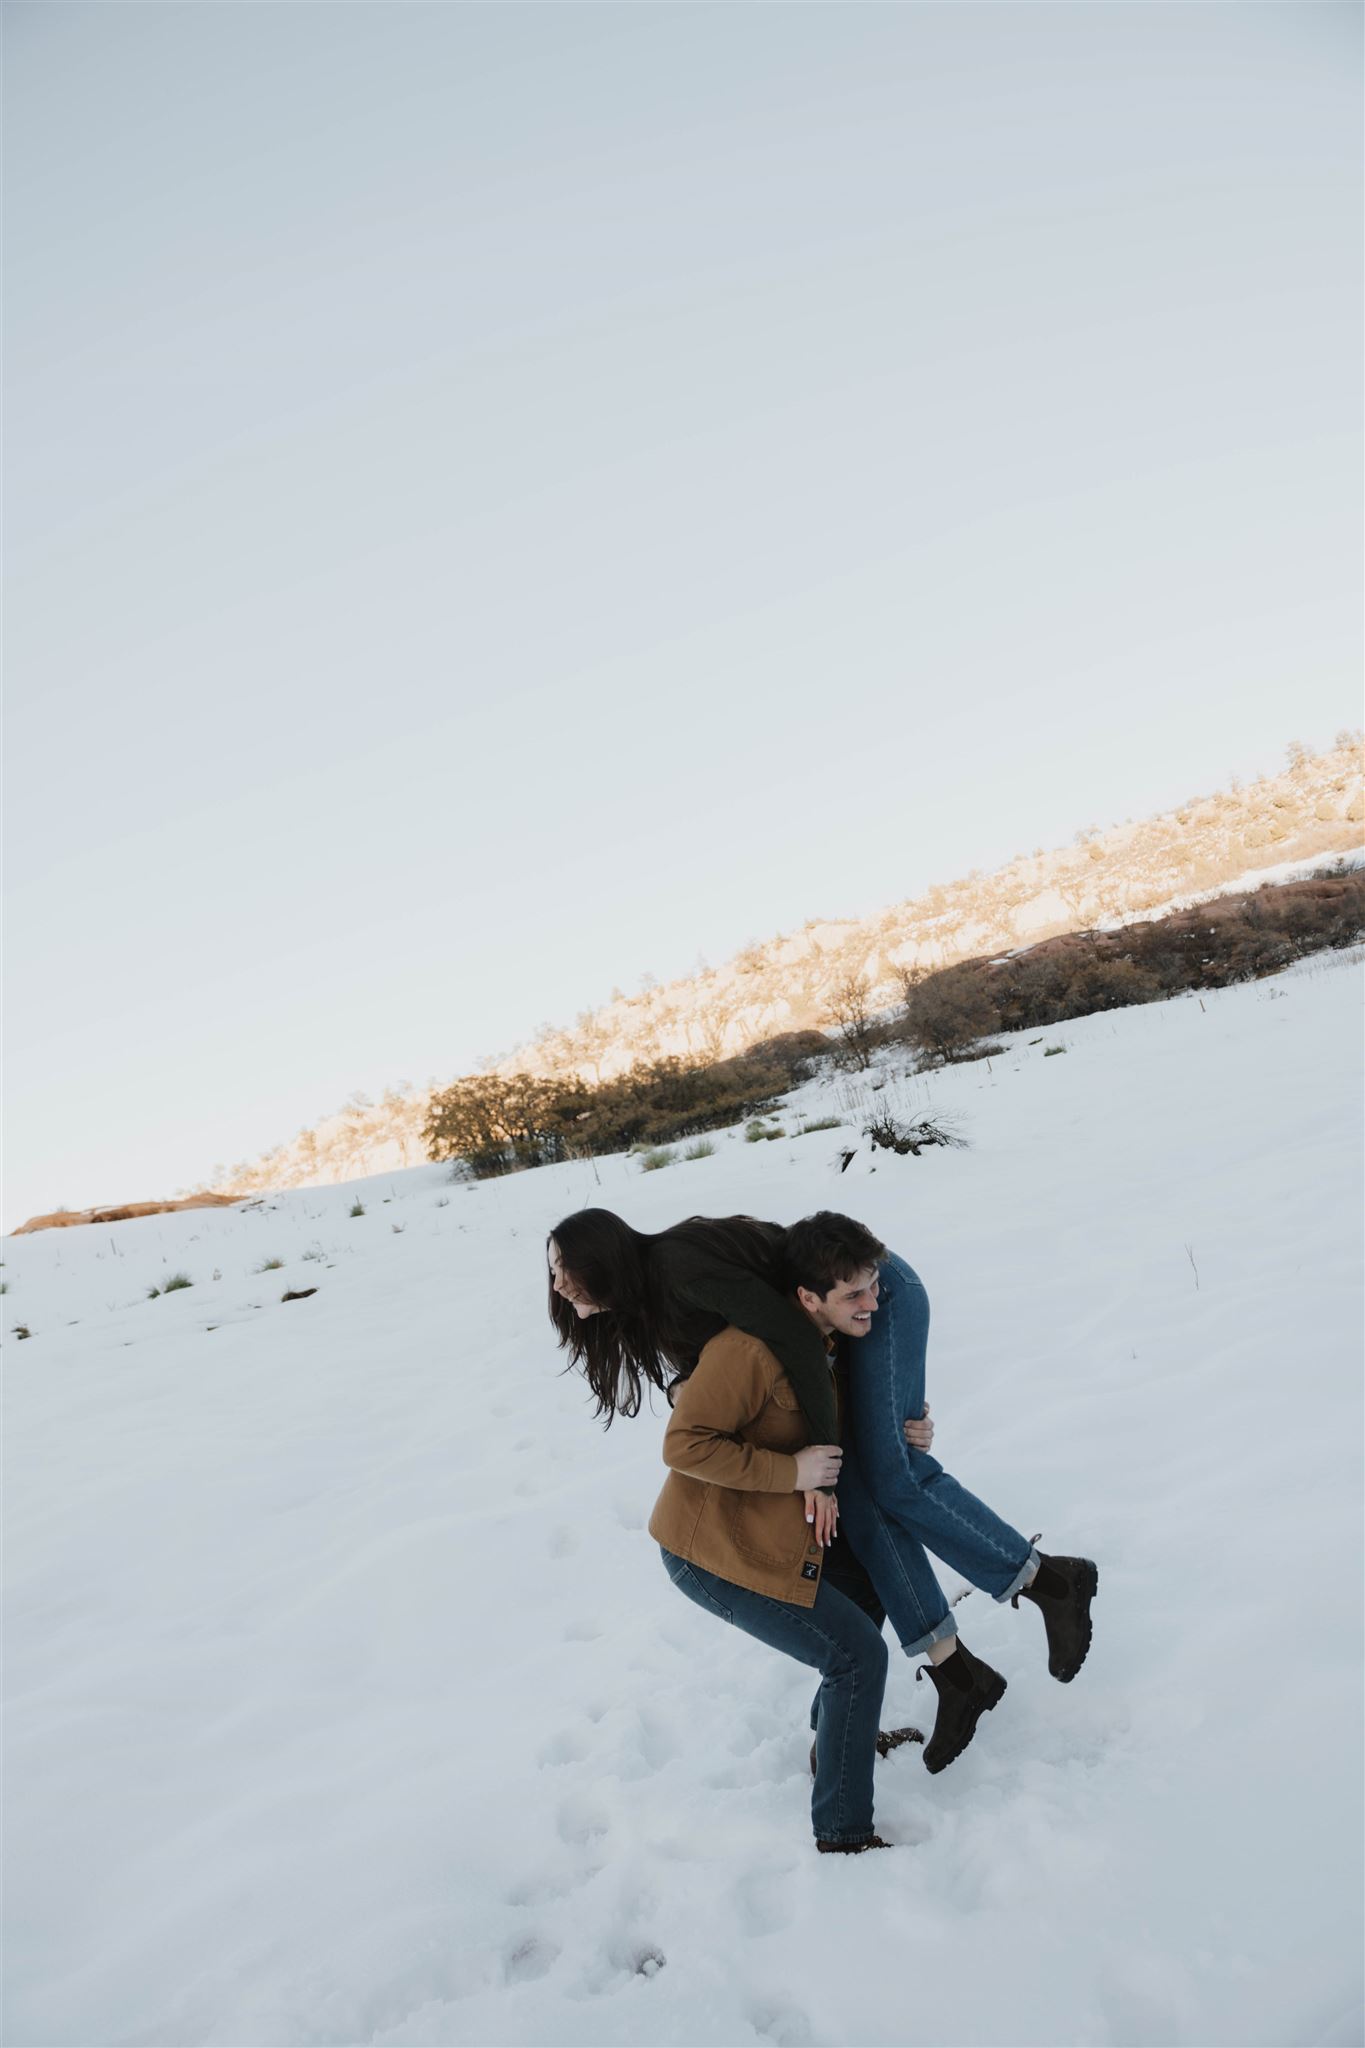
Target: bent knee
(859, 1648)
(869, 1658)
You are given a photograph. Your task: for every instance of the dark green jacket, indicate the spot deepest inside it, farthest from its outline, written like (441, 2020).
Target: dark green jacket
(704, 1291)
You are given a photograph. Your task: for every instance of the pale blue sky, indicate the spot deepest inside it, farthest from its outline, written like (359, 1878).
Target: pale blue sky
(503, 499)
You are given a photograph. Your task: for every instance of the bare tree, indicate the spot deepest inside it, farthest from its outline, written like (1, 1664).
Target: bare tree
(591, 1043)
(850, 1008)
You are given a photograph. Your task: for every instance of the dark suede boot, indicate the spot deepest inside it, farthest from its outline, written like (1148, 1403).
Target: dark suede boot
(966, 1689)
(851, 1848)
(1062, 1592)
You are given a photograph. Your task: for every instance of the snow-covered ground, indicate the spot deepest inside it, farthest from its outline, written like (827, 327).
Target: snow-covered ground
(349, 1701)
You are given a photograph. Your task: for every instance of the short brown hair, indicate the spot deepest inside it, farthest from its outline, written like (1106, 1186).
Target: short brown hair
(826, 1248)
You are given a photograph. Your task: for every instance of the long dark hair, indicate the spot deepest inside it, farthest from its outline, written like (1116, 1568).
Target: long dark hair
(640, 1334)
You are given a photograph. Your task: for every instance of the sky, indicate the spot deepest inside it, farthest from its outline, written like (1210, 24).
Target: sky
(505, 500)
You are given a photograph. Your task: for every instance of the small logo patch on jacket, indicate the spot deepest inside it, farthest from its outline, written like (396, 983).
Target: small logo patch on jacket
(810, 1571)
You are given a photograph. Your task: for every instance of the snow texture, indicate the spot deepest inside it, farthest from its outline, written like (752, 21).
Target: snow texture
(348, 1700)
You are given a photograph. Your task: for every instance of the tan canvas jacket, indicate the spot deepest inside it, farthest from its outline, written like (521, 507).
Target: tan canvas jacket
(729, 1503)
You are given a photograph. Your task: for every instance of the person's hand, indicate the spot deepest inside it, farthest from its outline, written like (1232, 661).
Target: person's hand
(920, 1435)
(822, 1512)
(817, 1465)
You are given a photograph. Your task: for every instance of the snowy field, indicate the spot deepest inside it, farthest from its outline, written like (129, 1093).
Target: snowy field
(349, 1703)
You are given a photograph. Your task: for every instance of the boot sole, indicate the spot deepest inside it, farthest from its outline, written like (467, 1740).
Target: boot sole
(1089, 1585)
(995, 1693)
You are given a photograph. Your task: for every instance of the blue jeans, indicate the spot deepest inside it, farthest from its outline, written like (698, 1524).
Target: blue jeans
(849, 1651)
(893, 1501)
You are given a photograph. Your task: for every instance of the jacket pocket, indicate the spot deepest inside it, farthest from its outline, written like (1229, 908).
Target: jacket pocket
(760, 1535)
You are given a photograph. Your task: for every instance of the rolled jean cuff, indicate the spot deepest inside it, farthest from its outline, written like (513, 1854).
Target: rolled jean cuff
(1025, 1576)
(947, 1627)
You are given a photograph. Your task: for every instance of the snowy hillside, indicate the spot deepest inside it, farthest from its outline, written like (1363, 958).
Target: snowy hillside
(349, 1702)
(1276, 829)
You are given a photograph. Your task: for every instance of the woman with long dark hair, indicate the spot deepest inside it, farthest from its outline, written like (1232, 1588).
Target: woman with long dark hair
(630, 1307)
(701, 1311)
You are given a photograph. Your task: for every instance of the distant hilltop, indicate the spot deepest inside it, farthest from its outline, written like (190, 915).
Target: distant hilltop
(1103, 880)
(1313, 810)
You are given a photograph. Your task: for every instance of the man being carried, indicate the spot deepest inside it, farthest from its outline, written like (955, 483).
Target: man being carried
(896, 1499)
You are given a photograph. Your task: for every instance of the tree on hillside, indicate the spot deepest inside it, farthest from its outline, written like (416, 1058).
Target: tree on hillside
(909, 974)
(588, 1044)
(949, 1011)
(850, 1009)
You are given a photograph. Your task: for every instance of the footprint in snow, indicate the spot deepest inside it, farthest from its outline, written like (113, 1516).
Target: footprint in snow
(619, 1964)
(763, 1902)
(529, 1959)
(644, 1745)
(563, 1541)
(775, 2020)
(581, 1820)
(569, 1746)
(583, 1631)
(753, 1730)
(769, 1763)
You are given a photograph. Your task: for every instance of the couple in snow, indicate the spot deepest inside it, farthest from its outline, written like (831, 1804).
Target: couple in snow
(774, 1345)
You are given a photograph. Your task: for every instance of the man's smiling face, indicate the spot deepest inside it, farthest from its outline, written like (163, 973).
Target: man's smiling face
(847, 1309)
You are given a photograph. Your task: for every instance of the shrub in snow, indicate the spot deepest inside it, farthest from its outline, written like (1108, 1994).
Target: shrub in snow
(498, 1123)
(946, 1012)
(892, 1135)
(1229, 939)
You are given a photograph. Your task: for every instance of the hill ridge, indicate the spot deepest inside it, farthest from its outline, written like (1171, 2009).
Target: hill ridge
(1313, 809)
